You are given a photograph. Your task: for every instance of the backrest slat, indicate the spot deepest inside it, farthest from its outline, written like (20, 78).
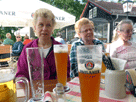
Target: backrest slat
(5, 53)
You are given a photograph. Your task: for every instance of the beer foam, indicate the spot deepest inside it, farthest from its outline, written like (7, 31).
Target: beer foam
(6, 76)
(62, 49)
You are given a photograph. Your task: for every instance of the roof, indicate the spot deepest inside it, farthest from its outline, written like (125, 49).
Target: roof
(110, 7)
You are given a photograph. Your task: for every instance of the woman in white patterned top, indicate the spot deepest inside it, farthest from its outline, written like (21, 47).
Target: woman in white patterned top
(121, 47)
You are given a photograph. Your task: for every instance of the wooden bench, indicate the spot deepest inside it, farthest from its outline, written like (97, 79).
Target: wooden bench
(5, 52)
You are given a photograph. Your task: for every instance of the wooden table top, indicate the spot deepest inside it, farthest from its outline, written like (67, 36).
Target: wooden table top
(48, 86)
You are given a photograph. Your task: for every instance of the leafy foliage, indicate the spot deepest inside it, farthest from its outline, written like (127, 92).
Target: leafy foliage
(73, 7)
(4, 30)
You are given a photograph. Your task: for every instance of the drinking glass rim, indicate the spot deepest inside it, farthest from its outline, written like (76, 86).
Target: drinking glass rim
(34, 48)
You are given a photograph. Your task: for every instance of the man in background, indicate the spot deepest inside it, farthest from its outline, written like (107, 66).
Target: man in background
(32, 38)
(8, 40)
(59, 38)
(76, 37)
(26, 40)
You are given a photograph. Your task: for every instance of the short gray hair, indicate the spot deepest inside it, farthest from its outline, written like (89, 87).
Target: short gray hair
(43, 12)
(8, 35)
(119, 28)
(124, 21)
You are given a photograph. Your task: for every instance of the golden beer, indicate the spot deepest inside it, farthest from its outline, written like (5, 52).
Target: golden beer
(7, 88)
(61, 59)
(89, 86)
(104, 68)
(89, 59)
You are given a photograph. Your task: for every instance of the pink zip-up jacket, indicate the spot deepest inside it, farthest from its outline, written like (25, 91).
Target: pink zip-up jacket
(49, 63)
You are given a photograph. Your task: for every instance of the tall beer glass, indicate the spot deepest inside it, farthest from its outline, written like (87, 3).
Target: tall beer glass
(89, 59)
(36, 72)
(61, 60)
(104, 69)
(107, 53)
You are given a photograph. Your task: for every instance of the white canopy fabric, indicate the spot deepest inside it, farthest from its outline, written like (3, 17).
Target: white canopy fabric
(18, 13)
(23, 31)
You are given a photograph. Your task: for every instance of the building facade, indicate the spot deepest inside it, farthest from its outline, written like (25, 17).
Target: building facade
(105, 16)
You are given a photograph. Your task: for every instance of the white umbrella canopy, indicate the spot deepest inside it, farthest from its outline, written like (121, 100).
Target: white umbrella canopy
(19, 13)
(23, 31)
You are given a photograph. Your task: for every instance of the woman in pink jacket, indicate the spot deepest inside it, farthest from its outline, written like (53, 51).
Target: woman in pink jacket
(44, 23)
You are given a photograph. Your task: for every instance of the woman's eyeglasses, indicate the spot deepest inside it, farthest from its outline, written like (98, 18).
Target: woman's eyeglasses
(127, 31)
(17, 37)
(85, 31)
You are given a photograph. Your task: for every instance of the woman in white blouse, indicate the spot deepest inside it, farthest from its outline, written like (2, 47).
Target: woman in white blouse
(121, 47)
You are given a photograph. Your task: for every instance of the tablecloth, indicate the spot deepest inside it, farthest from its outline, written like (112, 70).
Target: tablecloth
(74, 95)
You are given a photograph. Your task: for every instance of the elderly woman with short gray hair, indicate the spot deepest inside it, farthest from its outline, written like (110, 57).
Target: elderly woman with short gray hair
(8, 40)
(85, 30)
(44, 23)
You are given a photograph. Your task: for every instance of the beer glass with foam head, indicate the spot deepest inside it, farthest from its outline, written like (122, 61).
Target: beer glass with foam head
(8, 85)
(61, 60)
(89, 59)
(36, 72)
(7, 77)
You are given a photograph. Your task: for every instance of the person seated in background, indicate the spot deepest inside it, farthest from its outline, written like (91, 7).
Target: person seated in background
(26, 40)
(17, 46)
(8, 40)
(76, 37)
(85, 30)
(44, 23)
(32, 38)
(121, 47)
(59, 38)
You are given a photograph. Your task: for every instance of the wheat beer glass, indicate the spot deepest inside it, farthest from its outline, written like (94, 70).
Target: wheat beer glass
(36, 73)
(89, 59)
(61, 60)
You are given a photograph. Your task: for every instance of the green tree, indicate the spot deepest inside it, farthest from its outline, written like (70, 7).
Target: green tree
(4, 30)
(73, 7)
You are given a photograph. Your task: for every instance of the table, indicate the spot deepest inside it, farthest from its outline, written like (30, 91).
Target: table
(48, 86)
(74, 94)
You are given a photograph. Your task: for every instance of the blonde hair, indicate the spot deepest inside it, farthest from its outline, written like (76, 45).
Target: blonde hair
(8, 35)
(42, 12)
(115, 35)
(119, 28)
(82, 22)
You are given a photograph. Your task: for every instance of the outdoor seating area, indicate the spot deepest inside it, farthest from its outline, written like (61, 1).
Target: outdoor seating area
(67, 51)
(5, 54)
